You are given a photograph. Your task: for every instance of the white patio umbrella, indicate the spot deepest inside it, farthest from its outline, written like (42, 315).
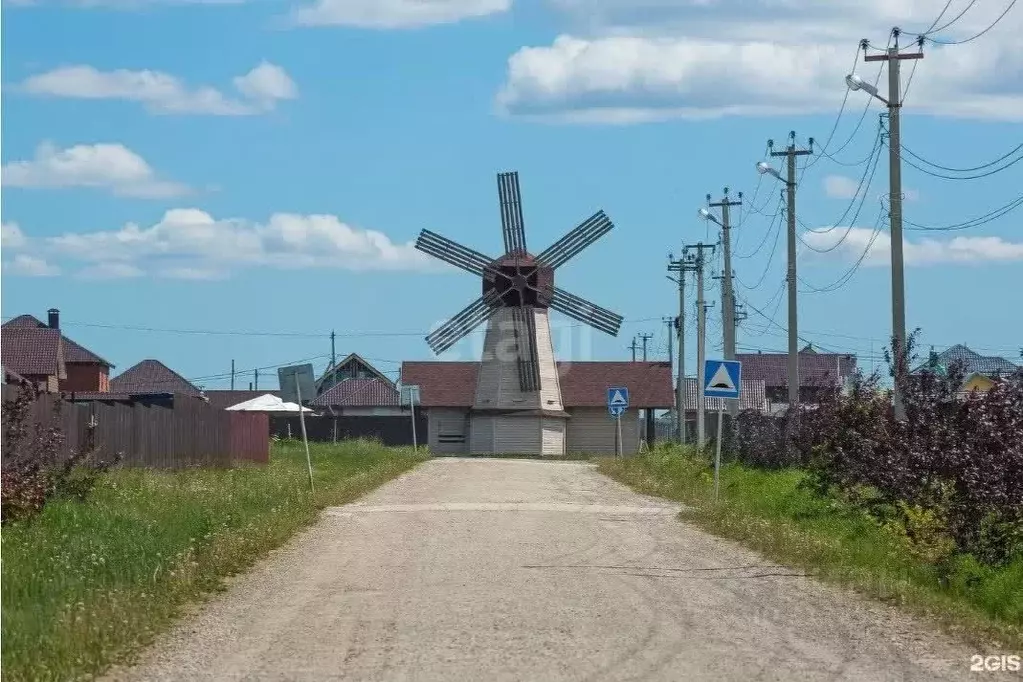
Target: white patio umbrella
(269, 404)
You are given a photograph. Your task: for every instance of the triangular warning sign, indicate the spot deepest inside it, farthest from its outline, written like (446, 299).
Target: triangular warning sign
(721, 379)
(618, 399)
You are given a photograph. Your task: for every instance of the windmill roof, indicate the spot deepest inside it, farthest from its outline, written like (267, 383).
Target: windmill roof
(583, 384)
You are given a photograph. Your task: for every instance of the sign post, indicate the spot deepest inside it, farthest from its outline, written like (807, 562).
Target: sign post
(294, 381)
(617, 403)
(410, 393)
(724, 382)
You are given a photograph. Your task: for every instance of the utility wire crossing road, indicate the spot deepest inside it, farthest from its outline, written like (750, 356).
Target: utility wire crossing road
(528, 570)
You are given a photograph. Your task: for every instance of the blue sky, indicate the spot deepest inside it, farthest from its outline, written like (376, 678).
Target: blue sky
(200, 182)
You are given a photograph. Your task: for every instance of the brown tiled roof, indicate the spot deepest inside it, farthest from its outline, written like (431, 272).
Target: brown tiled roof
(73, 352)
(31, 350)
(815, 369)
(151, 376)
(752, 396)
(359, 393)
(222, 399)
(583, 384)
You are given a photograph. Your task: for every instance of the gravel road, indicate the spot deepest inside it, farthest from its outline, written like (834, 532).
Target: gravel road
(489, 570)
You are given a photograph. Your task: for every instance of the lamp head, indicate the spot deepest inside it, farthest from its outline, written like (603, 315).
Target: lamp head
(705, 214)
(763, 167)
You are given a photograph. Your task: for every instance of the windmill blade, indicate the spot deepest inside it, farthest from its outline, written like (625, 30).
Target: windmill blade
(452, 252)
(528, 360)
(577, 239)
(511, 213)
(582, 310)
(464, 322)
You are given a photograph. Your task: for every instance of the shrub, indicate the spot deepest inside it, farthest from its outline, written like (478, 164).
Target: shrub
(35, 468)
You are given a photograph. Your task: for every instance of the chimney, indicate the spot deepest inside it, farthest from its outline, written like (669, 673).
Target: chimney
(54, 318)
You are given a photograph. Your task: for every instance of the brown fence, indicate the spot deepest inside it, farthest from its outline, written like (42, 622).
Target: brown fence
(191, 433)
(390, 430)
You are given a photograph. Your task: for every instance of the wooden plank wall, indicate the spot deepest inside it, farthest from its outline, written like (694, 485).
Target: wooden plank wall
(191, 433)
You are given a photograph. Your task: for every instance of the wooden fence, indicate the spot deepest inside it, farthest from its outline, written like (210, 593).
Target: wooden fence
(190, 433)
(390, 430)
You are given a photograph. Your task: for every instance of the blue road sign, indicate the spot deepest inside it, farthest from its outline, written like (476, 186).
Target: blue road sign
(617, 400)
(723, 378)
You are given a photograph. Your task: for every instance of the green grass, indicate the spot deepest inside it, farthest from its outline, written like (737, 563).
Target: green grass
(88, 584)
(767, 511)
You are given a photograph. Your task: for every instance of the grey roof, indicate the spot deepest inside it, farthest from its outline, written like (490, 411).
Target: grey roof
(972, 362)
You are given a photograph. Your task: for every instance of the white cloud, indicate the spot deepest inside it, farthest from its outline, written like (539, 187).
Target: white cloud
(390, 14)
(109, 166)
(841, 187)
(110, 270)
(266, 83)
(660, 59)
(30, 266)
(188, 243)
(11, 236)
(923, 251)
(260, 89)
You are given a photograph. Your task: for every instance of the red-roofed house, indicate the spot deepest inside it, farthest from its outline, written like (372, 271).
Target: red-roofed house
(447, 393)
(817, 371)
(34, 354)
(152, 377)
(360, 397)
(83, 370)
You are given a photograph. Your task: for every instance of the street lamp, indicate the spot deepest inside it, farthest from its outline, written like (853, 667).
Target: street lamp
(765, 168)
(854, 83)
(707, 215)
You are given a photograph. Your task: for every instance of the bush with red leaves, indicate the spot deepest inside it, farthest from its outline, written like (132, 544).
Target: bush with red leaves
(957, 459)
(35, 469)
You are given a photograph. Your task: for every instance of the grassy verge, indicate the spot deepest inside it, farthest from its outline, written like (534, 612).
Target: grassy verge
(767, 511)
(87, 584)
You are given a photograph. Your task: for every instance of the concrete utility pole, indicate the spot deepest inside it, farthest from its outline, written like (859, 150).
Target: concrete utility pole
(633, 348)
(682, 266)
(727, 293)
(894, 103)
(672, 324)
(256, 372)
(333, 355)
(232, 375)
(701, 337)
(645, 338)
(791, 153)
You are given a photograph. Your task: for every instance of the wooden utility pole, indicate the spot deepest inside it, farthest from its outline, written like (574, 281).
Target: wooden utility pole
(682, 266)
(634, 347)
(672, 324)
(232, 375)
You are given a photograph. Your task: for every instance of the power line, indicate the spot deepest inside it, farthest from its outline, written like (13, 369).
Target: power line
(847, 275)
(973, 222)
(975, 36)
(976, 176)
(964, 170)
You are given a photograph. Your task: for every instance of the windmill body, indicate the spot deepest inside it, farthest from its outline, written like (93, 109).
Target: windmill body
(518, 407)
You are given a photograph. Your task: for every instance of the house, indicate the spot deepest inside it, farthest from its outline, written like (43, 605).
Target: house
(979, 371)
(447, 392)
(33, 354)
(151, 377)
(817, 372)
(353, 366)
(360, 397)
(84, 370)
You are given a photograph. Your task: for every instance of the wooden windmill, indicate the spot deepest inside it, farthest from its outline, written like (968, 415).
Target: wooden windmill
(517, 407)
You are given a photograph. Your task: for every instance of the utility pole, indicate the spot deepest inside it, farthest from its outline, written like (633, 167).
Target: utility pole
(894, 104)
(682, 266)
(701, 334)
(634, 348)
(672, 324)
(645, 338)
(791, 153)
(727, 293)
(232, 375)
(256, 371)
(333, 355)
